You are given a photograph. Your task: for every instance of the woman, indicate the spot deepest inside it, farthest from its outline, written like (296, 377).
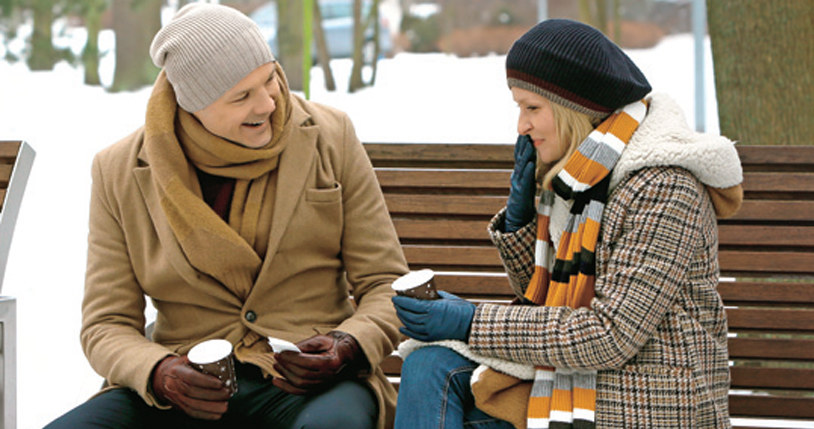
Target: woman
(620, 323)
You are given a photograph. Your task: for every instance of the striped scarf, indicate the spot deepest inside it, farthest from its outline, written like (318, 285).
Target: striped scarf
(563, 397)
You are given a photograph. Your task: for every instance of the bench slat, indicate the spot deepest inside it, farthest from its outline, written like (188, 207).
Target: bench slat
(475, 256)
(449, 205)
(778, 182)
(5, 174)
(743, 236)
(738, 348)
(774, 378)
(766, 292)
(780, 319)
(776, 211)
(770, 406)
(768, 157)
(784, 263)
(441, 229)
(441, 154)
(492, 180)
(761, 235)
(9, 151)
(772, 348)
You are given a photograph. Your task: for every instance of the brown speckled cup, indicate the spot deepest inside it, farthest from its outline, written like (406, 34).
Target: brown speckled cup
(417, 284)
(214, 357)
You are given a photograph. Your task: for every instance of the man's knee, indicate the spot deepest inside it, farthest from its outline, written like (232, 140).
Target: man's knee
(347, 405)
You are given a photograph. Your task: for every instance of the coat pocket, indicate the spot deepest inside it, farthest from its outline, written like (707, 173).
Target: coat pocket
(324, 195)
(647, 396)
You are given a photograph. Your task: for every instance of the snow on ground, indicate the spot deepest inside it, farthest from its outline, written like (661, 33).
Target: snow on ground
(417, 98)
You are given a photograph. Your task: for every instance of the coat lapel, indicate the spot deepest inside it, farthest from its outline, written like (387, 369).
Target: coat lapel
(175, 255)
(296, 163)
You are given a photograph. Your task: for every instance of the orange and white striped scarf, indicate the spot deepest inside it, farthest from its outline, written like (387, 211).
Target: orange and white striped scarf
(561, 397)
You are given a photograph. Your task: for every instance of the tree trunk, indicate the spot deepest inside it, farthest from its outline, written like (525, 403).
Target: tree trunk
(90, 55)
(323, 55)
(43, 55)
(356, 82)
(135, 23)
(289, 41)
(763, 58)
(374, 18)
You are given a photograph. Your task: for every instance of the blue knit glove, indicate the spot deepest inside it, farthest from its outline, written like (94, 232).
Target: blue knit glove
(520, 207)
(447, 318)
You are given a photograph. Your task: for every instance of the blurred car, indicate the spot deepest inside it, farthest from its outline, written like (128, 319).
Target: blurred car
(337, 21)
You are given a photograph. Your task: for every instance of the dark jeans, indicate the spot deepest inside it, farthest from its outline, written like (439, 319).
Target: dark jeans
(257, 404)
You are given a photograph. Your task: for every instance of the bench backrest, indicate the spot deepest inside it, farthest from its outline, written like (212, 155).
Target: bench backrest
(441, 197)
(16, 159)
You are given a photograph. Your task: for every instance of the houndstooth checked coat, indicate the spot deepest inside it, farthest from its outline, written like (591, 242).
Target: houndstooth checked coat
(656, 329)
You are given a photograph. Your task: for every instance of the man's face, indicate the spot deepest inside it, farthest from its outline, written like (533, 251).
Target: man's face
(243, 113)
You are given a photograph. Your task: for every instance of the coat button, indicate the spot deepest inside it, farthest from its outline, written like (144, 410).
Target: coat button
(251, 316)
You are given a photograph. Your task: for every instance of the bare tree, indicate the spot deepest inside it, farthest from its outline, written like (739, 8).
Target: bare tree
(603, 15)
(323, 54)
(135, 23)
(362, 52)
(763, 55)
(92, 11)
(289, 41)
(43, 56)
(356, 82)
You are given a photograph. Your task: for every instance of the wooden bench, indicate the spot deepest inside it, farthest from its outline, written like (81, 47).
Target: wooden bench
(441, 197)
(16, 158)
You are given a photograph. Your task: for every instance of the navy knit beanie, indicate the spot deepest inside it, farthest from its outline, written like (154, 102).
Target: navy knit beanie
(575, 65)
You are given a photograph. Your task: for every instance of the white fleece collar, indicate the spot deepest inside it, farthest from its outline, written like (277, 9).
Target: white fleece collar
(665, 139)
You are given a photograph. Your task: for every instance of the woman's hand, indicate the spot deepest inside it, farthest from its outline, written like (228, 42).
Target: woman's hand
(448, 318)
(520, 207)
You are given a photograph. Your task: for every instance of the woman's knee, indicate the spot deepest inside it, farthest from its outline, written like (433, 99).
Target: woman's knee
(433, 364)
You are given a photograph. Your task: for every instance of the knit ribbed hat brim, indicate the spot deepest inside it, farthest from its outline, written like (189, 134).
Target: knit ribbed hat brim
(575, 65)
(207, 49)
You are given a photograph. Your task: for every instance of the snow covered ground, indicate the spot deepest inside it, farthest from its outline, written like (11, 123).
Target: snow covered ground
(417, 98)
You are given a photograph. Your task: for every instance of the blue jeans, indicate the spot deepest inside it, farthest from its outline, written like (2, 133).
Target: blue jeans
(435, 393)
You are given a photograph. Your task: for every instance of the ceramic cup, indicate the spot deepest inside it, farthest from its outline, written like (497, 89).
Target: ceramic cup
(214, 357)
(417, 284)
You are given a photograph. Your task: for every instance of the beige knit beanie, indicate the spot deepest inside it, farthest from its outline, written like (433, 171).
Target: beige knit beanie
(205, 50)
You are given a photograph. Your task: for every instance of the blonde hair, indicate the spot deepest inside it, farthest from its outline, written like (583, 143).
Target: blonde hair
(572, 128)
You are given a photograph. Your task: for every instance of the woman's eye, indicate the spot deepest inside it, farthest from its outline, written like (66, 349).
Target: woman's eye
(531, 108)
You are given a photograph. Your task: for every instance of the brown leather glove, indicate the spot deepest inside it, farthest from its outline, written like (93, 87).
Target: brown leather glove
(325, 359)
(197, 394)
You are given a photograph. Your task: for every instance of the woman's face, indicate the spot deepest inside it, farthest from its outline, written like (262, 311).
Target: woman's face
(536, 120)
(243, 113)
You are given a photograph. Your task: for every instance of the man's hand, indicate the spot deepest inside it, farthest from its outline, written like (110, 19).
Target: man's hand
(198, 395)
(324, 359)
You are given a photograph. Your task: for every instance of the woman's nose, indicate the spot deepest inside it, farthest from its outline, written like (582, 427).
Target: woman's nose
(523, 126)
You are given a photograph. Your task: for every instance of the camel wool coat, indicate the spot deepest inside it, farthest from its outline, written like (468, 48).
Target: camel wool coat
(330, 237)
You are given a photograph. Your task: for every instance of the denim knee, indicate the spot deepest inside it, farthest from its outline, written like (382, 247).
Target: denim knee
(433, 365)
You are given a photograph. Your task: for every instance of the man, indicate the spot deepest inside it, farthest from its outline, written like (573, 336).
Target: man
(243, 212)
